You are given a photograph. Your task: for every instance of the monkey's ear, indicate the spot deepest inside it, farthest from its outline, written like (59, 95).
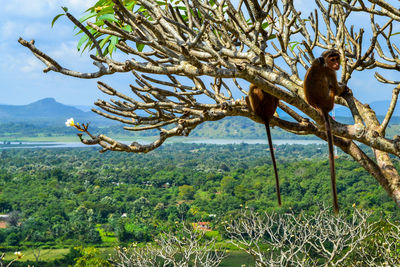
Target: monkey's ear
(321, 60)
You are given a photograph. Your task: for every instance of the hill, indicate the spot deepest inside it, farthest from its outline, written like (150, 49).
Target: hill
(46, 117)
(46, 110)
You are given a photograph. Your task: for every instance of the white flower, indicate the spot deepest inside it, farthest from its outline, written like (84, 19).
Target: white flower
(70, 122)
(18, 254)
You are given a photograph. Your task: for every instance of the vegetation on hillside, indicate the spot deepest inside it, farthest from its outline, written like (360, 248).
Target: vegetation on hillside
(64, 196)
(60, 198)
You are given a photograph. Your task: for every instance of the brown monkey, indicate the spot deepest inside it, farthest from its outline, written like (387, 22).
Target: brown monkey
(264, 105)
(320, 89)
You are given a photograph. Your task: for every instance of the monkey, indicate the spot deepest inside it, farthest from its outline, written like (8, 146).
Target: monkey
(320, 88)
(264, 105)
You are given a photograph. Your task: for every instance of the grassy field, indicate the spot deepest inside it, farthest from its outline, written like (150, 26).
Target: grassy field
(234, 259)
(45, 254)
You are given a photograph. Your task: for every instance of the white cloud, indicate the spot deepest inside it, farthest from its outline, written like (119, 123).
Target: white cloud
(78, 5)
(67, 55)
(33, 8)
(8, 29)
(66, 50)
(23, 61)
(12, 30)
(30, 65)
(40, 8)
(14, 63)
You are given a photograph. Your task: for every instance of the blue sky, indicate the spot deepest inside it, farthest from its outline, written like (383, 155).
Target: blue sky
(21, 76)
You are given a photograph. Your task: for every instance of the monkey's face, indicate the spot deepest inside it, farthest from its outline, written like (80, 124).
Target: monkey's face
(333, 62)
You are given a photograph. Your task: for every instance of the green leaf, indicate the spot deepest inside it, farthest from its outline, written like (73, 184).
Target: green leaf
(88, 43)
(184, 17)
(88, 16)
(80, 31)
(272, 36)
(109, 17)
(395, 33)
(139, 47)
(82, 41)
(65, 8)
(55, 19)
(293, 45)
(265, 25)
(86, 39)
(127, 28)
(104, 41)
(131, 5)
(111, 47)
(105, 10)
(114, 40)
(99, 23)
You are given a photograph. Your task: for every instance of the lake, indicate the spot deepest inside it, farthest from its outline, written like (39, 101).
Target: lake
(224, 141)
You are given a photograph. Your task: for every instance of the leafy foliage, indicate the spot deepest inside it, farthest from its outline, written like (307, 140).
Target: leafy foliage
(61, 194)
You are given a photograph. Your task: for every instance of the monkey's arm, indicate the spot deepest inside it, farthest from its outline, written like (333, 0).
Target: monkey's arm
(248, 103)
(343, 89)
(340, 89)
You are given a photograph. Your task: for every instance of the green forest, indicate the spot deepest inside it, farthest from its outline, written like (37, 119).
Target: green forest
(66, 198)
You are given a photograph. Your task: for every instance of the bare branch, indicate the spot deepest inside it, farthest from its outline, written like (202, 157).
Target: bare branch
(54, 66)
(392, 106)
(185, 247)
(304, 240)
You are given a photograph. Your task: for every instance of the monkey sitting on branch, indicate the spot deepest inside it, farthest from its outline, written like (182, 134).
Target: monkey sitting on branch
(320, 88)
(264, 105)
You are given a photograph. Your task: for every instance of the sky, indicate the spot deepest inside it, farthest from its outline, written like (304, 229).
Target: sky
(21, 74)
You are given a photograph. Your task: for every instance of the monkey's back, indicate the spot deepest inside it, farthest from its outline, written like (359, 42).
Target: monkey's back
(316, 88)
(262, 104)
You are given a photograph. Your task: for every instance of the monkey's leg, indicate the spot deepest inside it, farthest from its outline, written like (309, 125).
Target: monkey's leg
(331, 162)
(271, 149)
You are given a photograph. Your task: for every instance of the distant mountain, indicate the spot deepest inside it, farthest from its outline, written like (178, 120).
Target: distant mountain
(84, 108)
(48, 110)
(45, 110)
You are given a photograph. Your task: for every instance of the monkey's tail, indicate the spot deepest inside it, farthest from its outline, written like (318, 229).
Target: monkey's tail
(271, 149)
(331, 162)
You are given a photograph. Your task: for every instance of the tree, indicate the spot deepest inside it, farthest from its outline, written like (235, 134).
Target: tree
(13, 218)
(185, 247)
(186, 192)
(320, 239)
(186, 45)
(228, 184)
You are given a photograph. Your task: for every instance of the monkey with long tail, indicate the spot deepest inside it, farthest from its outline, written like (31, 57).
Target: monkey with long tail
(264, 105)
(320, 88)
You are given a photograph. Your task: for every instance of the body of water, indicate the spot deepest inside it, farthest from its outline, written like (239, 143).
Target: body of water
(174, 140)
